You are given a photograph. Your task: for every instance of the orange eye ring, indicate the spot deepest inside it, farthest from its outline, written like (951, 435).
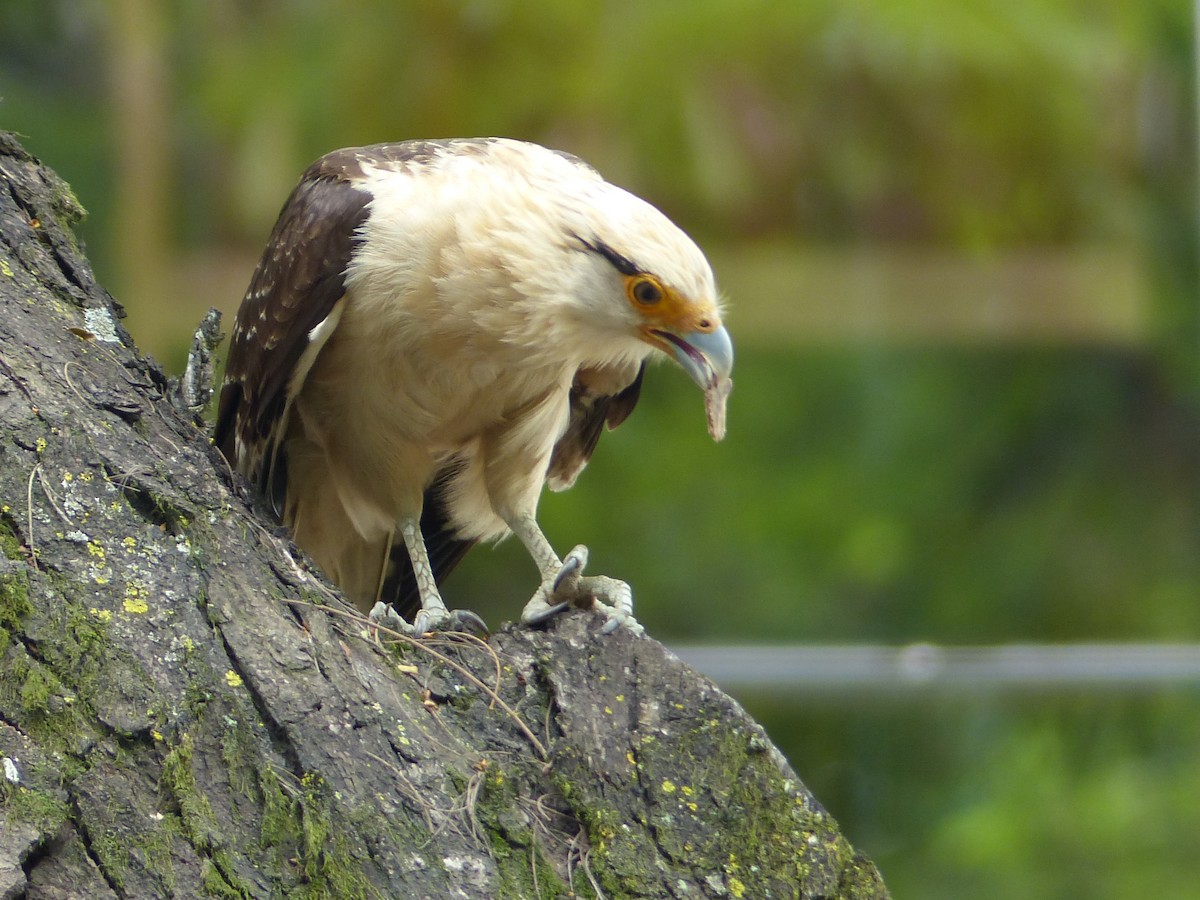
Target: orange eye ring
(644, 290)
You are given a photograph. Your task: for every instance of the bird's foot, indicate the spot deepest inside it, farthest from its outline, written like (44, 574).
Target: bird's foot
(569, 587)
(451, 620)
(383, 616)
(428, 620)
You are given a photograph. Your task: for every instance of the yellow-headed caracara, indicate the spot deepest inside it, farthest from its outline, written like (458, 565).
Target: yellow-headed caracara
(435, 330)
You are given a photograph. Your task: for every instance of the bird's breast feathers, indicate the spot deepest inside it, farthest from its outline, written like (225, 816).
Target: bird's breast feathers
(459, 289)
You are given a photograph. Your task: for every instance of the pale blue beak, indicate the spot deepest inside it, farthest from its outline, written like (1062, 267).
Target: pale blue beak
(707, 356)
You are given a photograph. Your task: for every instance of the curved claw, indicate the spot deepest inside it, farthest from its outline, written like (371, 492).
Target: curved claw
(454, 620)
(615, 598)
(572, 567)
(544, 613)
(568, 587)
(468, 622)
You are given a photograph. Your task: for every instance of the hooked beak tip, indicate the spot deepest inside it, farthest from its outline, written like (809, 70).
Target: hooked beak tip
(707, 357)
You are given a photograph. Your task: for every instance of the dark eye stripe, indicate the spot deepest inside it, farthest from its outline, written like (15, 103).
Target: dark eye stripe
(622, 264)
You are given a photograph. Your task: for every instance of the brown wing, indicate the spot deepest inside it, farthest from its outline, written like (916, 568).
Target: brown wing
(596, 402)
(296, 286)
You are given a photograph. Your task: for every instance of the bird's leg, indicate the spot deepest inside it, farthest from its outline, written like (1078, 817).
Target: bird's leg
(564, 584)
(433, 615)
(433, 610)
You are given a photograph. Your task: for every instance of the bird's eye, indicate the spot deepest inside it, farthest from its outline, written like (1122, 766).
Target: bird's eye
(645, 291)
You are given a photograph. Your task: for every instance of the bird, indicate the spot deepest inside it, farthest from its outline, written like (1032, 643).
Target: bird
(436, 331)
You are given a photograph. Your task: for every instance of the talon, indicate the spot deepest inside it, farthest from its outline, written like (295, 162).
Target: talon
(570, 588)
(616, 599)
(426, 621)
(444, 620)
(467, 622)
(544, 613)
(572, 567)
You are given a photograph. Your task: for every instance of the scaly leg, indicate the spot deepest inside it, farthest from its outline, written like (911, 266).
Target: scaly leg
(563, 583)
(433, 615)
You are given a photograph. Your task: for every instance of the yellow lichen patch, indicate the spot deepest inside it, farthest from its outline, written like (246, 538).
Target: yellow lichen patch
(129, 543)
(668, 786)
(736, 887)
(233, 679)
(135, 606)
(137, 598)
(104, 615)
(98, 563)
(6, 268)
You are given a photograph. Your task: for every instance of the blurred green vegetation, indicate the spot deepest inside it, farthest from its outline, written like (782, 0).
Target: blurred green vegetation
(962, 239)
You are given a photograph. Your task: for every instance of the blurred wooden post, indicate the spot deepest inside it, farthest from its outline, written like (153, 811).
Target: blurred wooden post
(138, 90)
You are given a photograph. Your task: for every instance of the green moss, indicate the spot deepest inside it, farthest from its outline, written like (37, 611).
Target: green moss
(38, 688)
(10, 540)
(42, 809)
(217, 885)
(198, 823)
(154, 847)
(620, 856)
(64, 203)
(749, 823)
(719, 806)
(514, 843)
(298, 827)
(312, 806)
(240, 755)
(111, 851)
(278, 829)
(14, 600)
(195, 812)
(55, 696)
(83, 653)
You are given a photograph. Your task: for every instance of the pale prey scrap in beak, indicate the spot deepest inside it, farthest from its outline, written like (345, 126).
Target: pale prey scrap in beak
(708, 358)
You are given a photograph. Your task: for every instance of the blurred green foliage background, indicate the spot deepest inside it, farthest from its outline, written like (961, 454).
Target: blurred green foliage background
(959, 242)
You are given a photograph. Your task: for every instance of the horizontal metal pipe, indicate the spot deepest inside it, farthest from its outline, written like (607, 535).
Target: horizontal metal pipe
(864, 667)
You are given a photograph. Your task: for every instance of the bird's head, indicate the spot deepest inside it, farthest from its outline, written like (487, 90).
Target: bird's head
(658, 289)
